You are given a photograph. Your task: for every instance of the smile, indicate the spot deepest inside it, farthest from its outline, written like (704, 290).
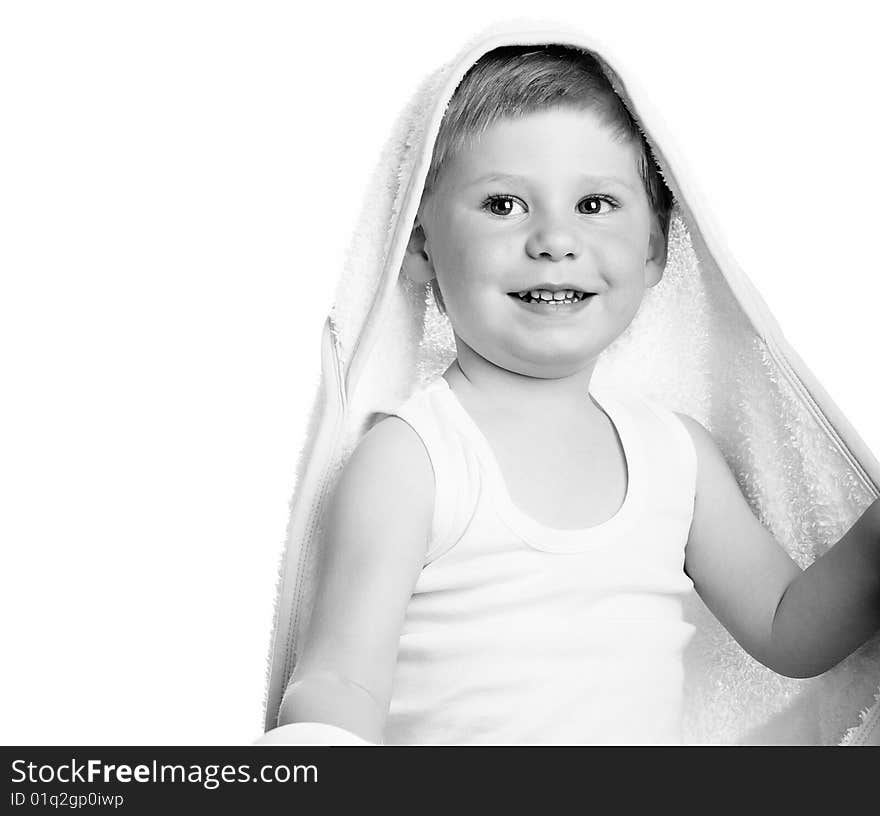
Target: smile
(548, 297)
(571, 302)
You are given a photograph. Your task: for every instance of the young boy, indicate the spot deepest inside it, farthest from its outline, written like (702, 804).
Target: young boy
(552, 614)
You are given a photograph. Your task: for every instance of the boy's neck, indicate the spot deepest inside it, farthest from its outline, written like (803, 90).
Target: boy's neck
(532, 400)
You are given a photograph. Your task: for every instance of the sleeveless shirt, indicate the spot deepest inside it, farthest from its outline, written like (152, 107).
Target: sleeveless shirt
(519, 633)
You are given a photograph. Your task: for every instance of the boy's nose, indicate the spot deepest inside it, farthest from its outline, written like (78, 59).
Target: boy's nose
(553, 241)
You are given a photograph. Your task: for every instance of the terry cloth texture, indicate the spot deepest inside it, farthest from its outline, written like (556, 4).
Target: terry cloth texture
(703, 343)
(522, 634)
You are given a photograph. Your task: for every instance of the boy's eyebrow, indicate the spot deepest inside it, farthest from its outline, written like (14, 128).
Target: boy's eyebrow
(586, 177)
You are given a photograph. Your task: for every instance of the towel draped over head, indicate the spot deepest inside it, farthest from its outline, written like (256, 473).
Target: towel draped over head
(703, 343)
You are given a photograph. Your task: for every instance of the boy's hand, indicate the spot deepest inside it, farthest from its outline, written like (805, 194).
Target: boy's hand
(308, 733)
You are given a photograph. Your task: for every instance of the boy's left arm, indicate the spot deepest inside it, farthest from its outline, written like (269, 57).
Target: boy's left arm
(800, 623)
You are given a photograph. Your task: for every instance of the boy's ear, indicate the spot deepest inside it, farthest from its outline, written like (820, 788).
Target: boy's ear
(417, 265)
(655, 263)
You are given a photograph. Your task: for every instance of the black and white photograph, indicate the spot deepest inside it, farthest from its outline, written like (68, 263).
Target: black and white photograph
(465, 375)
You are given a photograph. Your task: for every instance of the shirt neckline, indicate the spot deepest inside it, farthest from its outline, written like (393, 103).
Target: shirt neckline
(532, 531)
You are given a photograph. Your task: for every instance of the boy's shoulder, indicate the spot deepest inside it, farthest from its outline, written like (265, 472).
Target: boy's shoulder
(704, 442)
(391, 443)
(389, 471)
(382, 505)
(714, 475)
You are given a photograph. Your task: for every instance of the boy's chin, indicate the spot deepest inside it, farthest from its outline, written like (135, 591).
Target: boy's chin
(549, 367)
(554, 372)
(546, 364)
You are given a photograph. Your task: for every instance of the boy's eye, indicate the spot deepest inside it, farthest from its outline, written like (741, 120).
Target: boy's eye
(500, 204)
(591, 205)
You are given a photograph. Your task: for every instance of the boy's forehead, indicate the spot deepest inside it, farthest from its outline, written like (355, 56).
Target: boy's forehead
(563, 143)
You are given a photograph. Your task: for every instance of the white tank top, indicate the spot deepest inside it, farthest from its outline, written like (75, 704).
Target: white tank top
(518, 633)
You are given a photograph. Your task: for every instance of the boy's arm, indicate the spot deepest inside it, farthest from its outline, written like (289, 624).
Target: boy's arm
(799, 623)
(377, 527)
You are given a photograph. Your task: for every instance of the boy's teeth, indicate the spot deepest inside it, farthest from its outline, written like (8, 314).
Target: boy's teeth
(548, 296)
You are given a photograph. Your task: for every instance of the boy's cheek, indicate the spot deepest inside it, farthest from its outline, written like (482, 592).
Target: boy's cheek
(460, 269)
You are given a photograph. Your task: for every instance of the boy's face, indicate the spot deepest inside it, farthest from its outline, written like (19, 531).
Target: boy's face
(576, 215)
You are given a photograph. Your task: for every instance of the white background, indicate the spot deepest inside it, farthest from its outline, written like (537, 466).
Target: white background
(178, 183)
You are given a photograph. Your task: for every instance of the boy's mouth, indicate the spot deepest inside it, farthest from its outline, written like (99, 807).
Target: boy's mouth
(547, 297)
